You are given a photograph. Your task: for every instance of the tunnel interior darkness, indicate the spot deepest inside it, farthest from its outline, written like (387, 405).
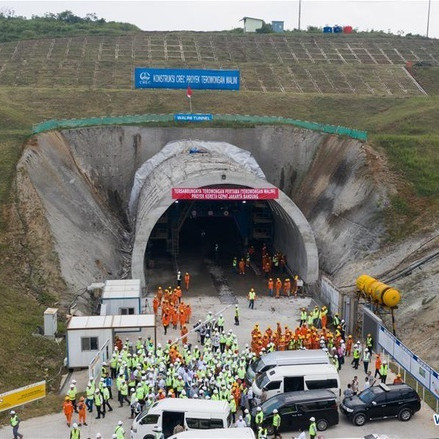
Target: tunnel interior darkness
(201, 225)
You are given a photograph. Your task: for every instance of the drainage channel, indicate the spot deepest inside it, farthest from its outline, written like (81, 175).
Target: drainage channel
(219, 280)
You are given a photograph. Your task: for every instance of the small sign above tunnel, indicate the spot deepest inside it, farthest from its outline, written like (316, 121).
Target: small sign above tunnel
(225, 194)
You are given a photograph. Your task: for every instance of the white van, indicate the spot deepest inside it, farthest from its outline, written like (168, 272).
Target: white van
(293, 378)
(285, 358)
(229, 433)
(189, 413)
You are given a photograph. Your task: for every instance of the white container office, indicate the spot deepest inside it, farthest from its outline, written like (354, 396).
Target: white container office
(88, 335)
(121, 297)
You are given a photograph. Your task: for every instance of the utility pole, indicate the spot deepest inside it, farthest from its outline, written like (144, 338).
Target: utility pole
(300, 13)
(428, 17)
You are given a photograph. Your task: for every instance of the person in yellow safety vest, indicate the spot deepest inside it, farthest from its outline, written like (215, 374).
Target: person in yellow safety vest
(248, 418)
(15, 422)
(276, 423)
(384, 369)
(312, 428)
(119, 431)
(303, 316)
(251, 298)
(236, 315)
(99, 402)
(369, 342)
(262, 432)
(75, 433)
(259, 418)
(232, 404)
(356, 357)
(71, 393)
(316, 316)
(310, 319)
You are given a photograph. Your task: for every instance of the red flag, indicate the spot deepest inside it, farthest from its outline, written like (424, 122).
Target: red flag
(189, 91)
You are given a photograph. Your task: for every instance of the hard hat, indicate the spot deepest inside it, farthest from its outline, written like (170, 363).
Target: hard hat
(246, 411)
(236, 306)
(258, 409)
(133, 390)
(399, 375)
(67, 398)
(240, 418)
(74, 381)
(384, 362)
(157, 429)
(367, 334)
(312, 419)
(97, 391)
(75, 425)
(98, 436)
(275, 411)
(12, 412)
(120, 423)
(72, 385)
(114, 436)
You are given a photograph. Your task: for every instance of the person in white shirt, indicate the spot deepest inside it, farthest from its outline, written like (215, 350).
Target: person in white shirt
(302, 435)
(366, 384)
(240, 423)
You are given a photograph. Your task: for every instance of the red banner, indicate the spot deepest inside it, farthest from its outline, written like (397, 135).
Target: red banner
(225, 194)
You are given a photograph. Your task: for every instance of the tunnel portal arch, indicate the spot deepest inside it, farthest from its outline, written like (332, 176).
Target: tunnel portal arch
(293, 234)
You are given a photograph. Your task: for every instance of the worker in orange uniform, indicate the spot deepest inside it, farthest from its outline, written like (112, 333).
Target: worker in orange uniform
(82, 411)
(278, 286)
(324, 316)
(178, 294)
(68, 410)
(187, 280)
(166, 320)
(349, 346)
(188, 312)
(241, 266)
(183, 333)
(155, 305)
(270, 287)
(377, 365)
(182, 318)
(174, 318)
(159, 293)
(287, 287)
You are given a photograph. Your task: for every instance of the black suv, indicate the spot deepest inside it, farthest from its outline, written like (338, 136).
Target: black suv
(295, 409)
(382, 402)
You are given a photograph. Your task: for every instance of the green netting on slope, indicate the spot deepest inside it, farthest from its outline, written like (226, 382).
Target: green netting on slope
(148, 118)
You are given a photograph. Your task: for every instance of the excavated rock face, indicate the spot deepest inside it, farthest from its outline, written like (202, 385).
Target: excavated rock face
(84, 179)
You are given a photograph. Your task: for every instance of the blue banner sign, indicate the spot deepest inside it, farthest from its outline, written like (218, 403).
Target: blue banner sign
(181, 78)
(192, 117)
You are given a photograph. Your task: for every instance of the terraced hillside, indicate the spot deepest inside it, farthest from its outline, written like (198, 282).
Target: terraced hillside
(269, 63)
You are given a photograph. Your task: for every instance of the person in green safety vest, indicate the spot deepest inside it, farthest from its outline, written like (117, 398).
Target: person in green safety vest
(236, 315)
(247, 418)
(276, 423)
(75, 433)
(262, 432)
(220, 323)
(232, 404)
(384, 369)
(303, 316)
(356, 357)
(119, 431)
(259, 418)
(251, 298)
(336, 320)
(99, 402)
(15, 422)
(312, 428)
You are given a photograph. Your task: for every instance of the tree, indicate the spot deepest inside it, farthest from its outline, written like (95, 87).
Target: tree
(265, 29)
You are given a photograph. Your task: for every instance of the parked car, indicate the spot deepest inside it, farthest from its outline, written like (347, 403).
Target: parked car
(295, 409)
(383, 401)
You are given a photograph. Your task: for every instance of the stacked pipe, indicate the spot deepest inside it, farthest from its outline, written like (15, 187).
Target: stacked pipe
(378, 291)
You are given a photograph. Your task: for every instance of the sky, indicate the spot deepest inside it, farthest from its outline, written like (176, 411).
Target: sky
(396, 16)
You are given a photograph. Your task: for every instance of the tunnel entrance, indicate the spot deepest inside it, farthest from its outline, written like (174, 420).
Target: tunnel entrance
(211, 229)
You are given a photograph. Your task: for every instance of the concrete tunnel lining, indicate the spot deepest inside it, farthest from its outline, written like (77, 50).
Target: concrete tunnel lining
(181, 171)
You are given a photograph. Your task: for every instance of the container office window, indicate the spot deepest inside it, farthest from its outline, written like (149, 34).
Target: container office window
(89, 343)
(126, 311)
